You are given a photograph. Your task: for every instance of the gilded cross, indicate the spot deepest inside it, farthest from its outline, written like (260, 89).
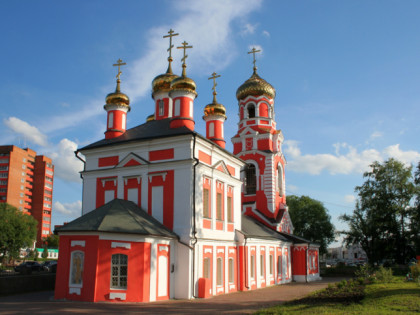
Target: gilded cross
(185, 47)
(253, 52)
(119, 64)
(214, 76)
(171, 34)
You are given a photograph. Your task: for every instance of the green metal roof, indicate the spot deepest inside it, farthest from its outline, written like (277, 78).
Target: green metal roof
(118, 216)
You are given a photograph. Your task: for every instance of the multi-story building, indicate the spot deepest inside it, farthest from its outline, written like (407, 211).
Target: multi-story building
(26, 182)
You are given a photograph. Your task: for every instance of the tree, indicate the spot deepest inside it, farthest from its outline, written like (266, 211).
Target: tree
(311, 220)
(381, 220)
(52, 241)
(45, 252)
(17, 230)
(415, 215)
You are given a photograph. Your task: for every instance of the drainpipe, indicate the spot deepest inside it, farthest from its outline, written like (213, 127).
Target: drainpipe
(306, 263)
(76, 153)
(194, 232)
(245, 261)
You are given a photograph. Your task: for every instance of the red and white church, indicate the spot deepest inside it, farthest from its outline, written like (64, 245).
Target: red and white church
(168, 213)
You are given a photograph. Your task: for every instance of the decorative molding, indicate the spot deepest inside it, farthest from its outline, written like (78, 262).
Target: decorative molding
(74, 290)
(126, 178)
(122, 245)
(78, 243)
(115, 295)
(208, 250)
(163, 174)
(163, 247)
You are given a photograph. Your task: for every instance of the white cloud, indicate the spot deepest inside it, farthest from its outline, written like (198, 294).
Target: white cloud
(375, 135)
(73, 209)
(350, 161)
(67, 166)
(266, 33)
(292, 188)
(249, 29)
(29, 132)
(206, 25)
(349, 199)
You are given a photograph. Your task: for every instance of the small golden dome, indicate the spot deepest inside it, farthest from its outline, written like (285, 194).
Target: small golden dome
(118, 98)
(163, 81)
(256, 86)
(215, 109)
(150, 118)
(184, 83)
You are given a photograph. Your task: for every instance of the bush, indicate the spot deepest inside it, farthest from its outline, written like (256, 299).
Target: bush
(384, 275)
(415, 271)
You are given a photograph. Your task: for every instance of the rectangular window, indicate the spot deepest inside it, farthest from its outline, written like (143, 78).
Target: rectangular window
(119, 264)
(206, 204)
(161, 108)
(3, 175)
(219, 271)
(206, 268)
(252, 267)
(271, 264)
(262, 265)
(231, 271)
(4, 168)
(219, 206)
(3, 182)
(76, 268)
(229, 209)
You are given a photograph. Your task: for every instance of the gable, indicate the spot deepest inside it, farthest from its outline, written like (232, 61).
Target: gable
(132, 159)
(221, 166)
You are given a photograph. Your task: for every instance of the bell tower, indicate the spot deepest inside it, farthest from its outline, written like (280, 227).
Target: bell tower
(258, 142)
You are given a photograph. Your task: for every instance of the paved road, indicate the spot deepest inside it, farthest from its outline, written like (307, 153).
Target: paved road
(234, 303)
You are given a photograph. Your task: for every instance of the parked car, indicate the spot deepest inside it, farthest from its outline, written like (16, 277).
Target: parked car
(48, 265)
(28, 267)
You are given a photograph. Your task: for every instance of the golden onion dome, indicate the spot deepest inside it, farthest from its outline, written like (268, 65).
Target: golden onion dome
(184, 83)
(163, 81)
(256, 86)
(215, 109)
(150, 118)
(118, 98)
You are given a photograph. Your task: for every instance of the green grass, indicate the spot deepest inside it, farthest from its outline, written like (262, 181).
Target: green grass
(397, 297)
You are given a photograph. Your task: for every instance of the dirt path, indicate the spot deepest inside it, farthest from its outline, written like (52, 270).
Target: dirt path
(235, 303)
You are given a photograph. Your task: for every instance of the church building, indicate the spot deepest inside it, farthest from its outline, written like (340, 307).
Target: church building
(169, 213)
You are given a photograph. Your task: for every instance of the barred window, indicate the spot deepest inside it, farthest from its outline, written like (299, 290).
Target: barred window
(206, 210)
(119, 271)
(219, 215)
(219, 271)
(251, 179)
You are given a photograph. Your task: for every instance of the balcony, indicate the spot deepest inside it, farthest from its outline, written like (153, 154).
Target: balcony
(28, 193)
(28, 185)
(28, 206)
(29, 172)
(30, 165)
(28, 199)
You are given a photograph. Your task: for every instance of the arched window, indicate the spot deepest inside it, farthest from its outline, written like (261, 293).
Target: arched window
(161, 108)
(251, 111)
(219, 280)
(251, 179)
(280, 182)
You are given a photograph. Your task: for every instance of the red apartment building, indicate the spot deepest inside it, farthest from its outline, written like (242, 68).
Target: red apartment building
(26, 182)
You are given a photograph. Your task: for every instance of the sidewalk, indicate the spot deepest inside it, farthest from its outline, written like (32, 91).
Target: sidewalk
(235, 303)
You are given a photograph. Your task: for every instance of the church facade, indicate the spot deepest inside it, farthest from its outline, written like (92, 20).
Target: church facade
(170, 213)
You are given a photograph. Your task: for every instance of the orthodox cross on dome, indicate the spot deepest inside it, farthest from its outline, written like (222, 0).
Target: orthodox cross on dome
(214, 76)
(185, 47)
(119, 64)
(171, 34)
(253, 52)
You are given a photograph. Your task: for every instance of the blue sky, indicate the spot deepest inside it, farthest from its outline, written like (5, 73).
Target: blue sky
(347, 76)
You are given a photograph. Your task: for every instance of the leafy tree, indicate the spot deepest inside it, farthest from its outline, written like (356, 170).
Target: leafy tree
(311, 220)
(17, 230)
(45, 252)
(415, 215)
(52, 241)
(381, 219)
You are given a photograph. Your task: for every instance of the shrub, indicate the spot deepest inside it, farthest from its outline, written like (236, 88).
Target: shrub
(384, 275)
(365, 272)
(415, 271)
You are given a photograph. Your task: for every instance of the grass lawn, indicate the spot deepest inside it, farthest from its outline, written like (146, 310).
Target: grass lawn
(397, 297)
